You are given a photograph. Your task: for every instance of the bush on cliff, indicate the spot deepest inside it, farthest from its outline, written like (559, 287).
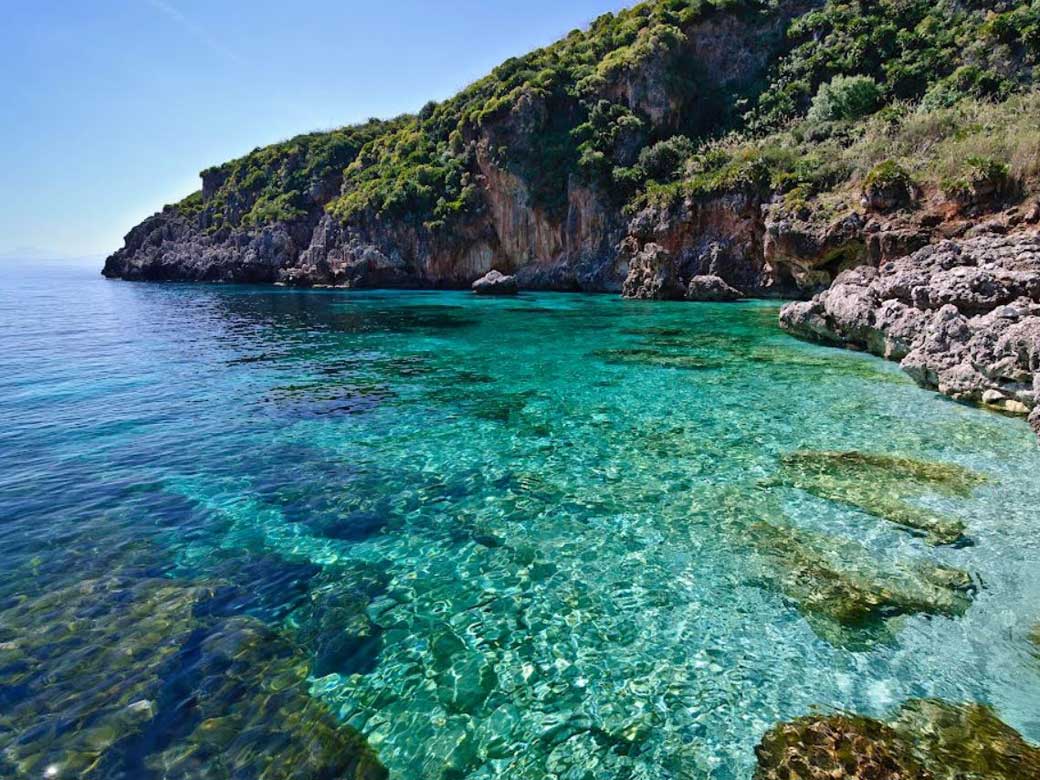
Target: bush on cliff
(853, 85)
(845, 97)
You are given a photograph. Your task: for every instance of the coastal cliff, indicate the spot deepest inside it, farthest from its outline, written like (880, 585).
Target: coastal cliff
(678, 138)
(490, 179)
(684, 149)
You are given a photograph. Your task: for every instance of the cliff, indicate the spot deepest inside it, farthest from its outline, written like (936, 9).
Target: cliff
(677, 139)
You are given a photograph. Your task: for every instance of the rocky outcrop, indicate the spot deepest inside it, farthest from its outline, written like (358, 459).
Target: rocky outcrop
(495, 283)
(926, 740)
(963, 317)
(171, 246)
(711, 288)
(568, 240)
(810, 251)
(652, 275)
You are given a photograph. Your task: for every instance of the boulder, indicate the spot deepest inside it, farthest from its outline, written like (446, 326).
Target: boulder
(653, 275)
(496, 283)
(711, 288)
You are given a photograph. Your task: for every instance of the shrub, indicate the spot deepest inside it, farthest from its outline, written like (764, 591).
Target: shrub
(192, 205)
(887, 186)
(982, 177)
(664, 160)
(845, 97)
(888, 174)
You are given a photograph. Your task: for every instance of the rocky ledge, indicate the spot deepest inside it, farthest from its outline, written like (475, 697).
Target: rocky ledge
(962, 316)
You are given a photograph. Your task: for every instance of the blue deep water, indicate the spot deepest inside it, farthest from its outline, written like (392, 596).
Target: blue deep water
(498, 538)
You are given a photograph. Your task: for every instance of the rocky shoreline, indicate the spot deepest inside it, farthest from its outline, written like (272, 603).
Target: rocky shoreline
(962, 317)
(954, 298)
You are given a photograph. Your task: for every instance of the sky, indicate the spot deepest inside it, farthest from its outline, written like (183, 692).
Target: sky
(110, 108)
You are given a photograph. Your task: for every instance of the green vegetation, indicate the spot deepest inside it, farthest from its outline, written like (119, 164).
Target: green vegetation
(546, 116)
(888, 174)
(845, 97)
(279, 182)
(627, 107)
(909, 47)
(981, 176)
(938, 149)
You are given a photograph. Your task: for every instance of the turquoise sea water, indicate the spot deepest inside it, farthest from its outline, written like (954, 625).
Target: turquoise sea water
(505, 538)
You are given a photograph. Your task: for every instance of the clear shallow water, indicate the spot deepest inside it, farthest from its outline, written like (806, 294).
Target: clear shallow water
(506, 538)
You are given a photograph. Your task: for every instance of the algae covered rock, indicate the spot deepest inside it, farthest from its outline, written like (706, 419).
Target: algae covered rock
(836, 748)
(250, 715)
(966, 741)
(137, 676)
(880, 486)
(926, 740)
(845, 594)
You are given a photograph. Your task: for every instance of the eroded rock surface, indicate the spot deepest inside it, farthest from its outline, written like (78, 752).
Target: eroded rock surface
(711, 288)
(926, 740)
(495, 283)
(963, 317)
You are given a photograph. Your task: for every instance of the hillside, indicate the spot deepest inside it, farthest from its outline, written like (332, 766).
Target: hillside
(762, 142)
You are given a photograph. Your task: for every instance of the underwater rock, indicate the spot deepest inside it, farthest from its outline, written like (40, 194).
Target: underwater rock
(926, 740)
(334, 627)
(878, 484)
(658, 358)
(77, 659)
(325, 399)
(496, 283)
(123, 676)
(835, 748)
(253, 716)
(966, 741)
(856, 594)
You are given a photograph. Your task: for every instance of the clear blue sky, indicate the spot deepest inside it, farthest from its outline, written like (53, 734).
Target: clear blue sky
(112, 107)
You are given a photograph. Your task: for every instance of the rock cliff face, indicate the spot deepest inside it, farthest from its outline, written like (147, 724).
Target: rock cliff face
(576, 245)
(962, 316)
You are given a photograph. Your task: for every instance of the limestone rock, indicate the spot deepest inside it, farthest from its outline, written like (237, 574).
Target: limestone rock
(711, 288)
(963, 317)
(495, 283)
(653, 275)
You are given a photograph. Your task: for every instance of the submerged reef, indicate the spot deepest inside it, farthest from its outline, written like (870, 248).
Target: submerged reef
(843, 592)
(880, 484)
(140, 676)
(926, 740)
